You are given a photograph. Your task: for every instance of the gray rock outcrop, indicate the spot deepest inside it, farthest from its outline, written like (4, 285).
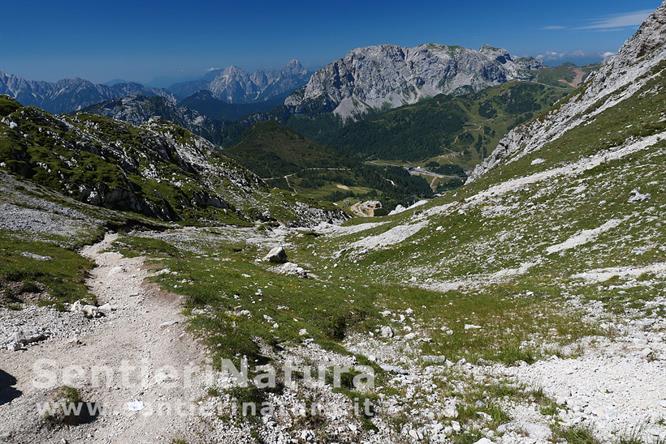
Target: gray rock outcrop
(383, 76)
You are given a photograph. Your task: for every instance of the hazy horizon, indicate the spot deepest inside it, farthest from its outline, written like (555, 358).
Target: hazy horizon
(165, 42)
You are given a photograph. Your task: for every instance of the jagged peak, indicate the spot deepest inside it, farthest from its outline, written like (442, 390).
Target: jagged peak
(377, 76)
(650, 37)
(233, 70)
(492, 50)
(382, 47)
(294, 63)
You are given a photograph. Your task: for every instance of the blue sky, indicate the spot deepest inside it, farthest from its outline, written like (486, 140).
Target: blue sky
(145, 40)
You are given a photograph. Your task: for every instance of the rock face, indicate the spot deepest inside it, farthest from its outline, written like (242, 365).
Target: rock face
(293, 269)
(234, 85)
(68, 95)
(619, 78)
(390, 76)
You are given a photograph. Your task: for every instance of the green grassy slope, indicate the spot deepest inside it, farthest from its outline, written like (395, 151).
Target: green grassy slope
(451, 130)
(566, 74)
(156, 169)
(471, 236)
(271, 150)
(285, 159)
(30, 268)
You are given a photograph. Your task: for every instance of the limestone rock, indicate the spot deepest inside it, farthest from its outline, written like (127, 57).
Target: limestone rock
(389, 75)
(277, 255)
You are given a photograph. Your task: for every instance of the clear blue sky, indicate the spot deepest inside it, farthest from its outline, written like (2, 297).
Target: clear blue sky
(144, 40)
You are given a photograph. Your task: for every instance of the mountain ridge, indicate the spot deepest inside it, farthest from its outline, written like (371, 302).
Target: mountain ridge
(69, 95)
(387, 76)
(139, 109)
(235, 85)
(157, 169)
(617, 80)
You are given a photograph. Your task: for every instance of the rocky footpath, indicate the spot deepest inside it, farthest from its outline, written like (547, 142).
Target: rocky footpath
(142, 327)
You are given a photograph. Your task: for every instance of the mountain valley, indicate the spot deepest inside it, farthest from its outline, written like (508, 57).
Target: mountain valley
(483, 235)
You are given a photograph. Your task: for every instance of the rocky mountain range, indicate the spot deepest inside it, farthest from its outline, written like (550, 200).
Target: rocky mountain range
(389, 76)
(526, 306)
(68, 95)
(235, 85)
(138, 110)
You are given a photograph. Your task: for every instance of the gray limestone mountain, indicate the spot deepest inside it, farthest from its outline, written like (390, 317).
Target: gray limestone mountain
(389, 76)
(68, 95)
(235, 85)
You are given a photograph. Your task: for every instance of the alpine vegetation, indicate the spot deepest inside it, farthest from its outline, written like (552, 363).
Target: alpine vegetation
(429, 244)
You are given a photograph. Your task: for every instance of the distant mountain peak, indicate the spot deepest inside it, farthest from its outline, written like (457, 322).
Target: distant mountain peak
(294, 66)
(233, 69)
(235, 85)
(68, 95)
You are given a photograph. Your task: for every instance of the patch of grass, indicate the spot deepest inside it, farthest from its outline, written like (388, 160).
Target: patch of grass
(213, 392)
(467, 437)
(576, 435)
(235, 300)
(67, 408)
(505, 323)
(547, 406)
(60, 274)
(513, 353)
(8, 105)
(634, 436)
(132, 246)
